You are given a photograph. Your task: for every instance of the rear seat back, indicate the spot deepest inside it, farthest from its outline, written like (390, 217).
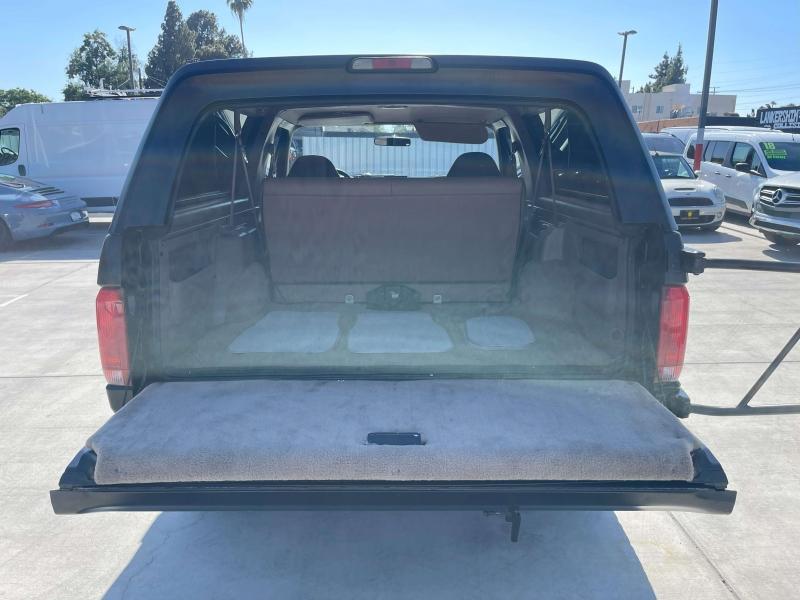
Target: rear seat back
(329, 238)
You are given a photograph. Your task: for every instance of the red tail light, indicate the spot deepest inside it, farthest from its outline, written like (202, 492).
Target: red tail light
(672, 332)
(112, 335)
(37, 204)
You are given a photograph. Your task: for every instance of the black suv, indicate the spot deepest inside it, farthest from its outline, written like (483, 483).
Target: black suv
(397, 282)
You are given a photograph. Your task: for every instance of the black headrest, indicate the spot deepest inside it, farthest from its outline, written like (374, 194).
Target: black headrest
(313, 166)
(474, 164)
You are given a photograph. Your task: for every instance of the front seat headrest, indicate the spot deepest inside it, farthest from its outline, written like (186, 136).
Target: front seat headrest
(313, 166)
(474, 164)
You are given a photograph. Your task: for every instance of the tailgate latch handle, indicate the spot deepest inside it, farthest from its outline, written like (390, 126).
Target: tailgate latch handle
(395, 438)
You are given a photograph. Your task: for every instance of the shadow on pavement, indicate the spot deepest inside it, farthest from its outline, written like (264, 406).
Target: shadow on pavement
(783, 253)
(78, 244)
(382, 555)
(708, 237)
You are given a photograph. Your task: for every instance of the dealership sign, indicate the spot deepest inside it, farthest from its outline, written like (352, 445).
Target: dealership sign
(780, 118)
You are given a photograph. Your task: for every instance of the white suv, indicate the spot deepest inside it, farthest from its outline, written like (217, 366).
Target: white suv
(739, 161)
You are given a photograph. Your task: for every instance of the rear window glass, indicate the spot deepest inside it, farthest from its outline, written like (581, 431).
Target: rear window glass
(383, 150)
(784, 156)
(673, 167)
(663, 143)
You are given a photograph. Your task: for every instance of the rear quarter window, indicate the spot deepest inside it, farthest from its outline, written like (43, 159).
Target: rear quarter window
(578, 169)
(208, 164)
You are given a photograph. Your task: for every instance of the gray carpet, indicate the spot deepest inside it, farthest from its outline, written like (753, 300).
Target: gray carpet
(499, 332)
(390, 332)
(290, 331)
(261, 430)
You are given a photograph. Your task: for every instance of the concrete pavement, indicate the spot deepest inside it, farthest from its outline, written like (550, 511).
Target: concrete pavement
(52, 398)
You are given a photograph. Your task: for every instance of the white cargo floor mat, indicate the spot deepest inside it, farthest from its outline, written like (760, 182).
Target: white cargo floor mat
(397, 333)
(499, 332)
(500, 430)
(290, 331)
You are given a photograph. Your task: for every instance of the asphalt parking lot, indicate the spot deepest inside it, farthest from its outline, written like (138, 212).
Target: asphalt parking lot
(52, 398)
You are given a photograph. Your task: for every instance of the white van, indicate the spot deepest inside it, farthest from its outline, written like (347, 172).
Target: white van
(84, 148)
(738, 161)
(684, 132)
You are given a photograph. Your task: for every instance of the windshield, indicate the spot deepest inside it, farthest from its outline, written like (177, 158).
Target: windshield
(362, 151)
(663, 143)
(672, 167)
(784, 156)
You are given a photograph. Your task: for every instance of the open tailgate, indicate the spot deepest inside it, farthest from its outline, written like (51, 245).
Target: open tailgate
(482, 444)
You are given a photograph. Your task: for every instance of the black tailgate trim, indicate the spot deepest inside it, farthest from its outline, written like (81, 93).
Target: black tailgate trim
(77, 494)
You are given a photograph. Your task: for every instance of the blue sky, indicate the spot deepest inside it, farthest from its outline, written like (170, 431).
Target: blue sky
(756, 53)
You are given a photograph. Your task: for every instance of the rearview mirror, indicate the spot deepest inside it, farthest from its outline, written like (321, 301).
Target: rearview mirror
(392, 141)
(742, 167)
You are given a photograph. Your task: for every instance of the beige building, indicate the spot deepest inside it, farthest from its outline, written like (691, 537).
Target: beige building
(675, 101)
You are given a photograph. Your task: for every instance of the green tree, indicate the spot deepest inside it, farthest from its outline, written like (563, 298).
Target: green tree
(174, 48)
(671, 69)
(676, 73)
(74, 91)
(11, 97)
(238, 8)
(95, 63)
(210, 40)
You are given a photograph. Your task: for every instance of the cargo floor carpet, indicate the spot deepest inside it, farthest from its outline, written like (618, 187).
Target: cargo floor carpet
(272, 430)
(290, 331)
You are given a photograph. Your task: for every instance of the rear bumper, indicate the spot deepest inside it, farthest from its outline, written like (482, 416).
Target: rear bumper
(78, 494)
(45, 225)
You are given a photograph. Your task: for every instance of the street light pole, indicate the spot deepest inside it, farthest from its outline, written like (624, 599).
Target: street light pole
(624, 35)
(128, 30)
(701, 122)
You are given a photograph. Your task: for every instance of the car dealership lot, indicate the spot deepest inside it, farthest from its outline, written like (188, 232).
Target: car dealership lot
(52, 398)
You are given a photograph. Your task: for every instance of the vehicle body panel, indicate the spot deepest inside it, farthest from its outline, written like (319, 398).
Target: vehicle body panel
(65, 211)
(85, 148)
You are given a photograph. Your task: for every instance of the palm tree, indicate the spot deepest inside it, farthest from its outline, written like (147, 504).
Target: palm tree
(238, 8)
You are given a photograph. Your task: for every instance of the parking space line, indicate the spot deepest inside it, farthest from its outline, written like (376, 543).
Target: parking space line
(14, 299)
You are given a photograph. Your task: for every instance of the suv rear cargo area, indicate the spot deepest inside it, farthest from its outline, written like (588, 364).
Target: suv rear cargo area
(469, 298)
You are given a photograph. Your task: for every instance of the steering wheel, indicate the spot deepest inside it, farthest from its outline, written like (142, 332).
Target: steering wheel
(7, 151)
(343, 175)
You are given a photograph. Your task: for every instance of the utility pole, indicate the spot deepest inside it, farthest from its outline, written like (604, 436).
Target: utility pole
(128, 30)
(624, 35)
(701, 124)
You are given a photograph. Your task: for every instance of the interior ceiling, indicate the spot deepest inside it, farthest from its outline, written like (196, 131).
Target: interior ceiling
(402, 113)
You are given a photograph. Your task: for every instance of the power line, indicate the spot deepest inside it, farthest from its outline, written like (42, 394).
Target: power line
(766, 88)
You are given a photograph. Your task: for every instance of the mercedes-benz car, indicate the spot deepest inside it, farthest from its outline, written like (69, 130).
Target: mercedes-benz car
(30, 210)
(776, 210)
(694, 202)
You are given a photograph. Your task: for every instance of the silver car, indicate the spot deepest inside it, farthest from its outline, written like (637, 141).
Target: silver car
(31, 210)
(776, 210)
(694, 202)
